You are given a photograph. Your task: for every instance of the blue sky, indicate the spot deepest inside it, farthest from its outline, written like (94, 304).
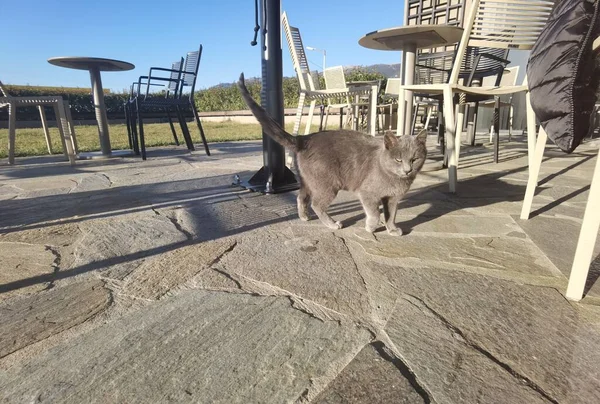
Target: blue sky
(146, 33)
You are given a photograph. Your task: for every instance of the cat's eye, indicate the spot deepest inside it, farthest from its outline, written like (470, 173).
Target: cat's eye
(398, 160)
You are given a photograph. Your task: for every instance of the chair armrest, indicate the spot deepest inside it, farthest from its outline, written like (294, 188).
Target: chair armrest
(494, 57)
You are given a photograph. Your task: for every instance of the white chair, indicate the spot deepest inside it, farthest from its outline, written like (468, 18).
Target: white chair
(495, 24)
(308, 90)
(591, 217)
(62, 111)
(391, 92)
(335, 79)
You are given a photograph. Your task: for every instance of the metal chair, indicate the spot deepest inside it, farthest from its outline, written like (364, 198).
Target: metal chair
(177, 100)
(494, 24)
(64, 122)
(170, 88)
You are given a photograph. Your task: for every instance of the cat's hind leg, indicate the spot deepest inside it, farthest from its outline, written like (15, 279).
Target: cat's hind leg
(303, 200)
(390, 206)
(320, 202)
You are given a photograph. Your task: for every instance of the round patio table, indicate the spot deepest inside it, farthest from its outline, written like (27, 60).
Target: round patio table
(95, 66)
(408, 39)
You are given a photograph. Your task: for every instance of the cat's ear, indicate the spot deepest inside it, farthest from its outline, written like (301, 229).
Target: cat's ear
(390, 140)
(422, 136)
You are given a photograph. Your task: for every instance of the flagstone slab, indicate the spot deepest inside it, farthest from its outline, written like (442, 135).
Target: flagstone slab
(530, 336)
(119, 242)
(309, 263)
(195, 347)
(371, 378)
(558, 238)
(35, 318)
(500, 254)
(155, 277)
(23, 261)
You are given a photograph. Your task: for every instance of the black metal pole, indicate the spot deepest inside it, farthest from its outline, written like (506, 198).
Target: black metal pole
(274, 176)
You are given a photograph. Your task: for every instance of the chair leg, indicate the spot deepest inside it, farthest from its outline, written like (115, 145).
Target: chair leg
(311, 112)
(141, 126)
(12, 126)
(474, 129)
(401, 112)
(535, 163)
(45, 127)
(450, 139)
(71, 128)
(202, 136)
(413, 124)
(172, 126)
(442, 134)
(372, 117)
(299, 112)
(65, 132)
(134, 131)
(587, 240)
(496, 129)
(185, 130)
(128, 124)
(321, 117)
(428, 117)
(510, 121)
(460, 119)
(531, 128)
(58, 116)
(326, 117)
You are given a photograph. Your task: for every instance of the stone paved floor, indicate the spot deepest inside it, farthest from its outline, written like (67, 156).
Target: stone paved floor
(157, 281)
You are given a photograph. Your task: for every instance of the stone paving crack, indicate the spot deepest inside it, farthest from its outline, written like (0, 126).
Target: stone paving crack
(228, 276)
(75, 187)
(110, 183)
(177, 225)
(408, 374)
(55, 263)
(219, 257)
(520, 377)
(343, 240)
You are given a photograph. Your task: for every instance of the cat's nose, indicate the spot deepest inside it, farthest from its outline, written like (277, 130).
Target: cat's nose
(408, 171)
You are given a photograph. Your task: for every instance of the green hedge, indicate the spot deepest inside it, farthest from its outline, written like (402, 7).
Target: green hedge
(218, 98)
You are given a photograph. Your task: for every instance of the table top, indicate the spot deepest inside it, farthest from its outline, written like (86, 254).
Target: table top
(419, 36)
(87, 63)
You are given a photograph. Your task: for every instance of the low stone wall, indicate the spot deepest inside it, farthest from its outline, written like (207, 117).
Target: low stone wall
(242, 116)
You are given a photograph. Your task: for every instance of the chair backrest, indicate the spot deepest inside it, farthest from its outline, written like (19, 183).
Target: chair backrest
(190, 69)
(509, 78)
(334, 78)
(502, 24)
(299, 59)
(3, 91)
(314, 77)
(173, 85)
(392, 86)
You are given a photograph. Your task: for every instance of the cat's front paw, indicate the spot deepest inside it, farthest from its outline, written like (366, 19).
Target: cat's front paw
(370, 229)
(304, 217)
(396, 232)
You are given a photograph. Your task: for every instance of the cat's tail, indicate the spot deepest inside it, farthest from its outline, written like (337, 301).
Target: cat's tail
(270, 127)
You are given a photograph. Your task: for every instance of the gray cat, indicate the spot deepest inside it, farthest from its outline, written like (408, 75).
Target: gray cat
(333, 160)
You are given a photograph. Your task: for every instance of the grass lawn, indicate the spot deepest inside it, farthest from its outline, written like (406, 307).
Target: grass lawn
(31, 142)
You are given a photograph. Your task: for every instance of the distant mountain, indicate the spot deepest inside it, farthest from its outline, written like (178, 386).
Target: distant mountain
(388, 71)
